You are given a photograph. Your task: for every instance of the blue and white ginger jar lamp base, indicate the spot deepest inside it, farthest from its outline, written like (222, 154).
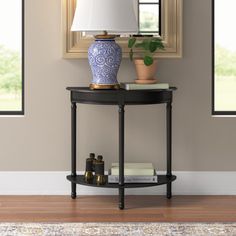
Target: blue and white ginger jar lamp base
(104, 58)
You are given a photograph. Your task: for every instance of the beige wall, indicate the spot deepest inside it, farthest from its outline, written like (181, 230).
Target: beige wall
(41, 140)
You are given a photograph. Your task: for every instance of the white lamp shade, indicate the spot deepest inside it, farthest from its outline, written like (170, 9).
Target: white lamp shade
(105, 15)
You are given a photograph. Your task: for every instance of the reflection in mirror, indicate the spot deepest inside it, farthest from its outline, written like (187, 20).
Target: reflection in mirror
(149, 17)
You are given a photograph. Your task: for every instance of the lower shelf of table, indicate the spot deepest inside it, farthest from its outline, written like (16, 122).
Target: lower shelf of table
(162, 179)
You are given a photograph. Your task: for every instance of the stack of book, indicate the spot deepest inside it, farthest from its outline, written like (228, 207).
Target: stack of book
(135, 86)
(134, 173)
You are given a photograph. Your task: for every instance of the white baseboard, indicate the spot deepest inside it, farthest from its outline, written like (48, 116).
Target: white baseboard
(55, 183)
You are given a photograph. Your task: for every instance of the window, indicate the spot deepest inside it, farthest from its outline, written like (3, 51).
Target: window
(149, 17)
(11, 57)
(224, 57)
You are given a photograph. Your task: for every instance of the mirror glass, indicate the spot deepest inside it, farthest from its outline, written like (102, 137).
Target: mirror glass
(149, 17)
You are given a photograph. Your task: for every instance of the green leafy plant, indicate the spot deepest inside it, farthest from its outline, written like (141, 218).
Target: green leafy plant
(148, 45)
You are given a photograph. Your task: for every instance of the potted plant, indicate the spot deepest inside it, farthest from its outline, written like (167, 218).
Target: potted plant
(146, 65)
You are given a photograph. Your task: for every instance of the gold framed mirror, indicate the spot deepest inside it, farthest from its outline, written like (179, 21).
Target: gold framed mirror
(75, 44)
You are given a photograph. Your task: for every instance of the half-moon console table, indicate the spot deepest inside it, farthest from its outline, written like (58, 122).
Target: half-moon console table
(121, 98)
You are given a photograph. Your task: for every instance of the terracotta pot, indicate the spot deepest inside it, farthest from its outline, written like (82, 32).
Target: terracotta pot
(145, 74)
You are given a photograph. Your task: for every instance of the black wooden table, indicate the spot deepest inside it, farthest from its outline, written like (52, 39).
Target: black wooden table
(121, 98)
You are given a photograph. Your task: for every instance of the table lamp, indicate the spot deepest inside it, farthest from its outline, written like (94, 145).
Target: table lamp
(109, 17)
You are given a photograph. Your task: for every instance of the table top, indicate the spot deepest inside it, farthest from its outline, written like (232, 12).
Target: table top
(120, 96)
(87, 89)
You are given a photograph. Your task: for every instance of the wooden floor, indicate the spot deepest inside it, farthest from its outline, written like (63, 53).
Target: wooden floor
(104, 209)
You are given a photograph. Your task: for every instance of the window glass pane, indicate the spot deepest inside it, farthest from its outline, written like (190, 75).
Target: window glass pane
(225, 55)
(10, 55)
(149, 17)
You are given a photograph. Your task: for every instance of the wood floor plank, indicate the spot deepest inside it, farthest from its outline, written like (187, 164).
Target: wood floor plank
(104, 209)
